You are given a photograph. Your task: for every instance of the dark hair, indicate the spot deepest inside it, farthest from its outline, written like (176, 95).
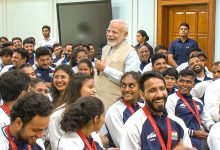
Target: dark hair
(29, 106)
(46, 26)
(144, 34)
(72, 91)
(33, 39)
(158, 47)
(7, 44)
(68, 70)
(24, 54)
(73, 61)
(184, 24)
(6, 52)
(171, 72)
(192, 56)
(36, 81)
(42, 51)
(78, 114)
(135, 75)
(70, 44)
(148, 75)
(16, 38)
(157, 56)
(12, 83)
(56, 45)
(216, 63)
(28, 41)
(3, 37)
(87, 47)
(195, 50)
(187, 72)
(202, 54)
(89, 64)
(24, 65)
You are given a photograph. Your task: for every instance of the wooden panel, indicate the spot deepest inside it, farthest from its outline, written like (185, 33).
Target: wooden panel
(178, 18)
(191, 20)
(174, 37)
(202, 41)
(202, 22)
(194, 37)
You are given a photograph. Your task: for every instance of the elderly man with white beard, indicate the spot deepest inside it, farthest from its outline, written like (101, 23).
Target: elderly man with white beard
(118, 57)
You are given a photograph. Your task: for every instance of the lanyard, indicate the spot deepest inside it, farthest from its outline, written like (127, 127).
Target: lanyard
(86, 142)
(154, 125)
(12, 144)
(6, 109)
(197, 115)
(128, 106)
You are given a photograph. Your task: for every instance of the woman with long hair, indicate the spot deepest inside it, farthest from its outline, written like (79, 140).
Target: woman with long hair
(80, 85)
(61, 78)
(81, 120)
(120, 111)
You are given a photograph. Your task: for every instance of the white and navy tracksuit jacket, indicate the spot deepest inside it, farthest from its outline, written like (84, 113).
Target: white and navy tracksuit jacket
(138, 134)
(115, 118)
(176, 106)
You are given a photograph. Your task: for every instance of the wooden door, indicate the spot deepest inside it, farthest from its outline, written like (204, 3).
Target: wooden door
(197, 18)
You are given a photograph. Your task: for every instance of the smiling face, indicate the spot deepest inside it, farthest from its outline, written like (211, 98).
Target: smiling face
(88, 88)
(33, 130)
(196, 65)
(130, 89)
(115, 34)
(17, 59)
(61, 80)
(144, 53)
(84, 68)
(185, 84)
(160, 65)
(155, 94)
(29, 48)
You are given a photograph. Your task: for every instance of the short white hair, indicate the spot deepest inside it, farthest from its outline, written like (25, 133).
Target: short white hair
(122, 22)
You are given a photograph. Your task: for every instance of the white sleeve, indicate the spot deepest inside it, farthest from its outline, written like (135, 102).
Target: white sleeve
(170, 105)
(199, 89)
(70, 141)
(132, 63)
(206, 119)
(211, 101)
(147, 68)
(55, 131)
(130, 139)
(213, 139)
(114, 123)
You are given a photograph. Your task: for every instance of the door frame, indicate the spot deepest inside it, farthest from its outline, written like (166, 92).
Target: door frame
(163, 24)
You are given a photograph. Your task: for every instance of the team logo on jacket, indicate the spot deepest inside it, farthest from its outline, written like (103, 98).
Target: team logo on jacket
(182, 105)
(38, 75)
(174, 135)
(151, 136)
